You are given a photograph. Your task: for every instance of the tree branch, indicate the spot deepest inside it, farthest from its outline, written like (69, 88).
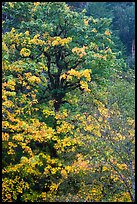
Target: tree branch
(49, 72)
(124, 180)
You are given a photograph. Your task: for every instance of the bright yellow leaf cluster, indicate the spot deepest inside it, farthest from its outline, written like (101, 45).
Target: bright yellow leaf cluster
(105, 168)
(103, 111)
(122, 166)
(65, 128)
(48, 112)
(25, 52)
(79, 51)
(64, 173)
(36, 3)
(79, 74)
(61, 115)
(84, 86)
(11, 4)
(119, 137)
(86, 22)
(86, 73)
(37, 41)
(53, 187)
(27, 33)
(11, 84)
(4, 47)
(107, 32)
(34, 79)
(5, 136)
(13, 30)
(43, 195)
(94, 30)
(45, 68)
(60, 41)
(73, 72)
(108, 50)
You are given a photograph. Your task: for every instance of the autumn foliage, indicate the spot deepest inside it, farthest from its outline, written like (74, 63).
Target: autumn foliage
(61, 138)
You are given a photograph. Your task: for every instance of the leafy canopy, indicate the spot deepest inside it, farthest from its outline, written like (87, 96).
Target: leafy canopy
(51, 62)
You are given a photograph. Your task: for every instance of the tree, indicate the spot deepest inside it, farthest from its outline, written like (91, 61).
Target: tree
(98, 10)
(62, 51)
(14, 13)
(123, 20)
(124, 24)
(110, 119)
(47, 64)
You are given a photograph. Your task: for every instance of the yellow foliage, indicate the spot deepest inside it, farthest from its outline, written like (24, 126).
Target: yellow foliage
(45, 68)
(86, 73)
(48, 112)
(37, 41)
(33, 137)
(84, 86)
(93, 191)
(27, 33)
(89, 127)
(4, 47)
(54, 187)
(107, 32)
(13, 30)
(73, 72)
(108, 50)
(80, 163)
(105, 168)
(123, 197)
(25, 52)
(36, 3)
(11, 4)
(109, 40)
(122, 166)
(97, 55)
(64, 173)
(131, 133)
(60, 41)
(103, 111)
(100, 119)
(65, 127)
(5, 136)
(11, 84)
(69, 169)
(79, 51)
(131, 122)
(86, 22)
(34, 79)
(96, 131)
(53, 170)
(94, 45)
(12, 48)
(94, 30)
(119, 136)
(44, 195)
(12, 187)
(115, 177)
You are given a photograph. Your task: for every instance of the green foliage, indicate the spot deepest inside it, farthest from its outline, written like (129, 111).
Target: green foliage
(123, 21)
(98, 10)
(124, 24)
(14, 13)
(64, 137)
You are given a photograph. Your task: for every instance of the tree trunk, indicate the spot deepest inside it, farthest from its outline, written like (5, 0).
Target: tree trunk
(133, 48)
